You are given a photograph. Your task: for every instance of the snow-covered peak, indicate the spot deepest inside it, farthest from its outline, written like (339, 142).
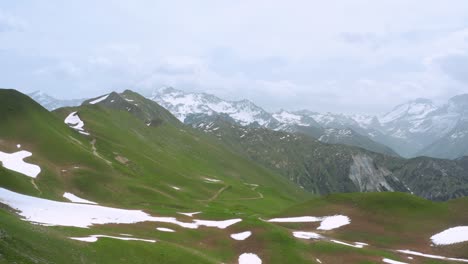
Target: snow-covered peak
(288, 118)
(337, 120)
(181, 104)
(412, 110)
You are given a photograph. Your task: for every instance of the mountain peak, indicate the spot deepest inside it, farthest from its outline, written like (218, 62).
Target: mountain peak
(182, 104)
(414, 109)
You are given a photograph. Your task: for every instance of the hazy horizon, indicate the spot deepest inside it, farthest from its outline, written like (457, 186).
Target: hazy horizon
(343, 57)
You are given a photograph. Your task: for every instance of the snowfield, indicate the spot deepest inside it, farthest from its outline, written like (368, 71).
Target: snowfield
(241, 236)
(326, 222)
(53, 213)
(75, 199)
(451, 236)
(94, 238)
(14, 162)
(249, 258)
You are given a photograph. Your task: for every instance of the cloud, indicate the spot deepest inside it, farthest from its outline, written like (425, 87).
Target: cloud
(454, 66)
(369, 39)
(60, 70)
(10, 23)
(346, 56)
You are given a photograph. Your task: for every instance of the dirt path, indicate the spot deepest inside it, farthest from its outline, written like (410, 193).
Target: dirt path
(254, 188)
(95, 153)
(35, 186)
(216, 194)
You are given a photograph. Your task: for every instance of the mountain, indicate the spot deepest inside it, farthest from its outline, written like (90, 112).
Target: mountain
(453, 144)
(51, 103)
(335, 129)
(183, 104)
(333, 120)
(328, 168)
(245, 113)
(142, 187)
(421, 124)
(349, 137)
(418, 127)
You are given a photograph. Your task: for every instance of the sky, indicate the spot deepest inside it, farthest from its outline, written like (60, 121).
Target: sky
(351, 56)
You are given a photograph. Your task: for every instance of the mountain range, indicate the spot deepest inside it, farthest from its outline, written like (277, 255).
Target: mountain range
(120, 179)
(415, 128)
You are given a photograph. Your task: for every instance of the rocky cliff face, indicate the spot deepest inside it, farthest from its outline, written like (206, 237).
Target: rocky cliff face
(369, 177)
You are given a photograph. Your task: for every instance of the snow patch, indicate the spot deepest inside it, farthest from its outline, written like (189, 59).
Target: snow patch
(212, 180)
(385, 260)
(75, 199)
(100, 99)
(241, 236)
(74, 121)
(347, 244)
(94, 238)
(327, 222)
(414, 253)
(218, 224)
(163, 229)
(249, 258)
(306, 235)
(190, 214)
(451, 236)
(300, 219)
(15, 162)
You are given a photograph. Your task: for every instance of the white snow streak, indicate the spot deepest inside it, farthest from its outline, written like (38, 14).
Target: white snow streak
(393, 261)
(306, 235)
(414, 253)
(163, 229)
(94, 238)
(100, 99)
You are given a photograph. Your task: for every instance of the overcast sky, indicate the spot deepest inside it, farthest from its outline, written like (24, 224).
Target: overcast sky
(355, 56)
